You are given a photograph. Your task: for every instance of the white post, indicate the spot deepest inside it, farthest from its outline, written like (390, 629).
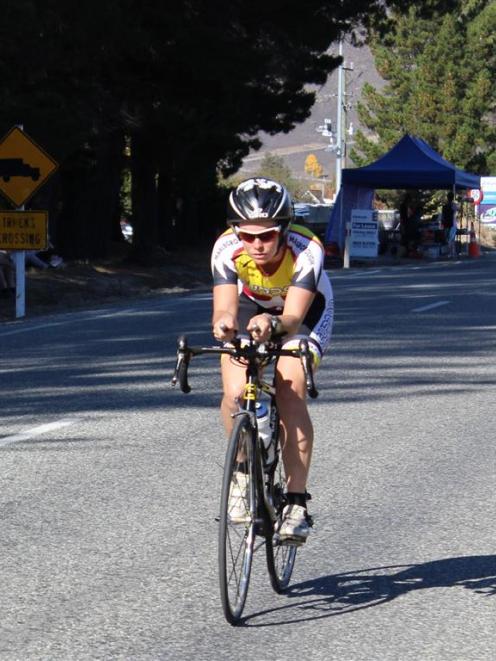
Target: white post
(477, 219)
(347, 241)
(20, 272)
(20, 262)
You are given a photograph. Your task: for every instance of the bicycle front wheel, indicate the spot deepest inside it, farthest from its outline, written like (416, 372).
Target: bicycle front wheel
(238, 510)
(280, 557)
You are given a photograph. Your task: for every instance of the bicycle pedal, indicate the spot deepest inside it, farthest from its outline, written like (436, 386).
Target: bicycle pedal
(288, 541)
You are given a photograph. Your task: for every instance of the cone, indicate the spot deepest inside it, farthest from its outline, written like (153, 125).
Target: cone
(473, 246)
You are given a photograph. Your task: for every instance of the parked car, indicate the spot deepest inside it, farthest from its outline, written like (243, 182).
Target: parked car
(388, 224)
(389, 219)
(127, 230)
(314, 216)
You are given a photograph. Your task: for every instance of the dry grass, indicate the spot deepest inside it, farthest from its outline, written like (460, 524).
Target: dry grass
(79, 285)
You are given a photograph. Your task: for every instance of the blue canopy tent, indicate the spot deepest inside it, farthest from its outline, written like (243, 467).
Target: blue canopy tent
(411, 163)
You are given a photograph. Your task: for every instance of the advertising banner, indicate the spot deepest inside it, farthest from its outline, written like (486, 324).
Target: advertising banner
(487, 209)
(364, 239)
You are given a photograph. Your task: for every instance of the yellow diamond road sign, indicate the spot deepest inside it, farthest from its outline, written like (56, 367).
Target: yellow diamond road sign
(24, 166)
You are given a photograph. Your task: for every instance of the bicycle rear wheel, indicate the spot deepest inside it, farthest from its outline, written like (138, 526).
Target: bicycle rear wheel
(238, 511)
(280, 557)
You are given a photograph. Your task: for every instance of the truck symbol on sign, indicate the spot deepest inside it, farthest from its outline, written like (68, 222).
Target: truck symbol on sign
(15, 167)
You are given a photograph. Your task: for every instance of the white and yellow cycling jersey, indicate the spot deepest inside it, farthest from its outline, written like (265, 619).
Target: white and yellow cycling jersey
(302, 265)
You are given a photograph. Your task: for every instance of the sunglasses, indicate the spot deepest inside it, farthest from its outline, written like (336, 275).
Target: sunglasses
(265, 236)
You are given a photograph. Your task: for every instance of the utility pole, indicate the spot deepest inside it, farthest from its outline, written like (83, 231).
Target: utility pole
(339, 122)
(337, 139)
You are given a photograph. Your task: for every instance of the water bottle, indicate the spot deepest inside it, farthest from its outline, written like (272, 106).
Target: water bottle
(265, 431)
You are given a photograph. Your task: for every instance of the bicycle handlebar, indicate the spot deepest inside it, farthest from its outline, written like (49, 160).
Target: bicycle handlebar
(251, 351)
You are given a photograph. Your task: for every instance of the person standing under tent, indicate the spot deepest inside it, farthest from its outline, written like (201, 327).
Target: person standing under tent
(449, 223)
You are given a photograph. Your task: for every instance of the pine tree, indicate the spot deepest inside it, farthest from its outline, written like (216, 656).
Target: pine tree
(190, 84)
(274, 167)
(438, 72)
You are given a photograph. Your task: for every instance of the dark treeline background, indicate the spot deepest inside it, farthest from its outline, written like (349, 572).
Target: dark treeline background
(172, 93)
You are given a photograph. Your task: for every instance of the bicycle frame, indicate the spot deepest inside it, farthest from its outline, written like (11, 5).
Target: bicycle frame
(249, 399)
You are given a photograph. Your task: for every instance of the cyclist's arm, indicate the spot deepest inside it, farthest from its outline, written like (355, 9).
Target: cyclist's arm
(224, 317)
(296, 306)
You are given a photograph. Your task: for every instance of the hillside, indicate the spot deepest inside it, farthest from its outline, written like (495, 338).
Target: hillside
(304, 139)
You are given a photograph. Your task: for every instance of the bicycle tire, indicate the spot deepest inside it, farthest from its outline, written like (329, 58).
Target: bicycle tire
(280, 558)
(236, 539)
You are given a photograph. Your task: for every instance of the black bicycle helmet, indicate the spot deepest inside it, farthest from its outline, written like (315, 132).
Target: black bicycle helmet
(260, 199)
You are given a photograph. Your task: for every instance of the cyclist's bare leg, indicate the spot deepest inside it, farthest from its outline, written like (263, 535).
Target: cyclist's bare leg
(296, 426)
(233, 382)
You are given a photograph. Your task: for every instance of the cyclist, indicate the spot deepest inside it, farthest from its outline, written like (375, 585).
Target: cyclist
(269, 280)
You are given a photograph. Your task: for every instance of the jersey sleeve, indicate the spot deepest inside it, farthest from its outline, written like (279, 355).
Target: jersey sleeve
(308, 266)
(222, 264)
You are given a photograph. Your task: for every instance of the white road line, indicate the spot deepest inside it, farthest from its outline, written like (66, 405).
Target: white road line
(431, 306)
(73, 318)
(37, 431)
(28, 329)
(358, 274)
(365, 272)
(162, 304)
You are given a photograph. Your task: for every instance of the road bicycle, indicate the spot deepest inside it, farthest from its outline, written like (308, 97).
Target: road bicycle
(253, 473)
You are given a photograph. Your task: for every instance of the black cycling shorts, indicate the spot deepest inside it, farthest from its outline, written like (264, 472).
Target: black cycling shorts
(316, 325)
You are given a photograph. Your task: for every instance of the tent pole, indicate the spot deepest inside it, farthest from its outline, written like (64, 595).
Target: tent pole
(458, 215)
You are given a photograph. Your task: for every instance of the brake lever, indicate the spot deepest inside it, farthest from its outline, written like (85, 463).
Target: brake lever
(182, 363)
(306, 362)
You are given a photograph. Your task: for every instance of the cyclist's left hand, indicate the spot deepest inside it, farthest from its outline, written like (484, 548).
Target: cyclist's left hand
(260, 327)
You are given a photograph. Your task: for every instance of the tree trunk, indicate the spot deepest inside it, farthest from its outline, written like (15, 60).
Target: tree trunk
(90, 200)
(167, 208)
(144, 200)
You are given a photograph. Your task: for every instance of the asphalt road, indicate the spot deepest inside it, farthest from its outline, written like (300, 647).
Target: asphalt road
(109, 483)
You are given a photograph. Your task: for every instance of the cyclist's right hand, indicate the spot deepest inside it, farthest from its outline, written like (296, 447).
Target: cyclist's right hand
(225, 328)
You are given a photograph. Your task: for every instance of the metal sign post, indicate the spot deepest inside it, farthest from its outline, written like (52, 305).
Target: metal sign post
(20, 299)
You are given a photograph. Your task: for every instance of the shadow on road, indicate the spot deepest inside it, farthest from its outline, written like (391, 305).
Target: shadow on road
(380, 350)
(339, 594)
